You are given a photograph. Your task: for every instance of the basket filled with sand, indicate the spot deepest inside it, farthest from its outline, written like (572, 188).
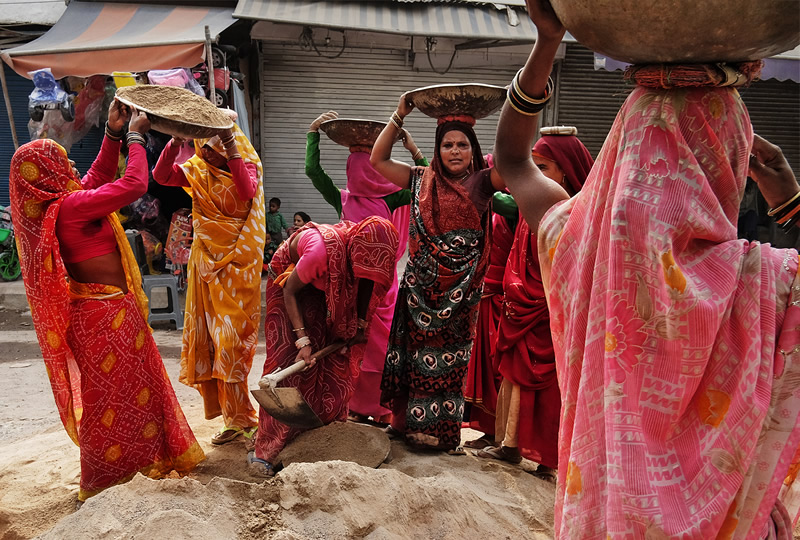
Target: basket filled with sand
(176, 111)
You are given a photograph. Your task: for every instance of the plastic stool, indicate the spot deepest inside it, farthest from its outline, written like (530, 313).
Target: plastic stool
(173, 311)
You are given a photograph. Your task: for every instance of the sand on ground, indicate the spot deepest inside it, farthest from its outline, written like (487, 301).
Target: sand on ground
(416, 495)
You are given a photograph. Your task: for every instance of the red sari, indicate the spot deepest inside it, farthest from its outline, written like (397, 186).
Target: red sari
(364, 250)
(483, 378)
(110, 387)
(525, 351)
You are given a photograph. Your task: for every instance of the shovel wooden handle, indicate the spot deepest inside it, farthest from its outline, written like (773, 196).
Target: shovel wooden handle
(300, 364)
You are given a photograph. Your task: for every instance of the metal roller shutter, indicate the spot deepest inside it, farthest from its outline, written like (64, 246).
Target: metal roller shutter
(297, 85)
(588, 99)
(774, 108)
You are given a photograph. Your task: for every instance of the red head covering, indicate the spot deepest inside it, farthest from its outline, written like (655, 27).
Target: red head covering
(570, 154)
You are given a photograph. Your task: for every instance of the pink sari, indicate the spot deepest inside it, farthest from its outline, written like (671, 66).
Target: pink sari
(362, 199)
(676, 343)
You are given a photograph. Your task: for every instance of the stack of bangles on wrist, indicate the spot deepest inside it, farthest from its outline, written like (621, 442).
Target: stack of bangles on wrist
(417, 155)
(787, 214)
(301, 342)
(114, 135)
(135, 138)
(523, 103)
(396, 120)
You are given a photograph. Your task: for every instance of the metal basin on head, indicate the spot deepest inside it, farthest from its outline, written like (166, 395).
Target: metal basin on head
(683, 31)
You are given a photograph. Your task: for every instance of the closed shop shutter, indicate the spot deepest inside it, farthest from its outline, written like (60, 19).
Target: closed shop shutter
(588, 99)
(297, 85)
(82, 152)
(774, 108)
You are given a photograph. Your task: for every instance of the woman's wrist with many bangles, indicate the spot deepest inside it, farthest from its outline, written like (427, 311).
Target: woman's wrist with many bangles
(787, 214)
(397, 120)
(302, 342)
(134, 137)
(114, 135)
(417, 155)
(522, 102)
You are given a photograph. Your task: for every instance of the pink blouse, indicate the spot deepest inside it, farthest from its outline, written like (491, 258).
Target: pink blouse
(81, 227)
(312, 267)
(168, 173)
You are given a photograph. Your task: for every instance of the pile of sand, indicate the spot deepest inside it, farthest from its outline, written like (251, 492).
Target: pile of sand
(339, 441)
(331, 499)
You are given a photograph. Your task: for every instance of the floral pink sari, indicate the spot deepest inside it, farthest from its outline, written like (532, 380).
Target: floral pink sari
(676, 344)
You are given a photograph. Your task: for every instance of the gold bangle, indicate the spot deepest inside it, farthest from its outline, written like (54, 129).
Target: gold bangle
(773, 211)
(398, 126)
(397, 119)
(417, 155)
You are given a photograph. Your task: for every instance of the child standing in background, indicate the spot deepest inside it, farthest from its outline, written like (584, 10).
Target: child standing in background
(276, 223)
(269, 249)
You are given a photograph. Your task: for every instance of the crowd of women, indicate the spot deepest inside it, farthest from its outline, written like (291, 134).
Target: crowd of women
(605, 322)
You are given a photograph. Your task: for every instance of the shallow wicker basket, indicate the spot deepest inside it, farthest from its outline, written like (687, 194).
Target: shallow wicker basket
(683, 31)
(352, 131)
(171, 125)
(471, 99)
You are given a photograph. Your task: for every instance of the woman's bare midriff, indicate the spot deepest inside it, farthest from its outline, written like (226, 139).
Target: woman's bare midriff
(104, 269)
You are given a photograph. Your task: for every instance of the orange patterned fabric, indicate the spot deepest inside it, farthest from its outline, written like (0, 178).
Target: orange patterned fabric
(96, 345)
(223, 297)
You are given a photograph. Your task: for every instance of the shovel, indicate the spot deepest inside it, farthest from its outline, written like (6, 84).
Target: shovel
(287, 404)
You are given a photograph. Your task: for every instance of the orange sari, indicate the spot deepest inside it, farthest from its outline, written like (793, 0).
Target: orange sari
(223, 297)
(110, 387)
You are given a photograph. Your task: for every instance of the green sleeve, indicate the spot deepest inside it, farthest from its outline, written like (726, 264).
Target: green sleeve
(403, 197)
(398, 199)
(322, 182)
(505, 205)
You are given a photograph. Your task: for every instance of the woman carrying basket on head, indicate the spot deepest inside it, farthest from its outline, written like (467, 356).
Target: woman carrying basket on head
(437, 306)
(223, 297)
(90, 312)
(675, 342)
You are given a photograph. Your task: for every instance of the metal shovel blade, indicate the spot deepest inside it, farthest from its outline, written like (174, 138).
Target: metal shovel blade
(288, 406)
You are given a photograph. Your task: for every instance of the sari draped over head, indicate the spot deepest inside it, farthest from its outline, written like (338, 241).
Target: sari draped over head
(94, 338)
(364, 198)
(363, 250)
(525, 354)
(223, 298)
(437, 306)
(675, 342)
(570, 154)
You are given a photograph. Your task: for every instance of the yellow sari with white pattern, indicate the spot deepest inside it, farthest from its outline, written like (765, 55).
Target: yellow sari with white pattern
(223, 299)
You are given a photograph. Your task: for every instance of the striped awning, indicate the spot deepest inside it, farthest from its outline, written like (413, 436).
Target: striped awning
(499, 20)
(97, 38)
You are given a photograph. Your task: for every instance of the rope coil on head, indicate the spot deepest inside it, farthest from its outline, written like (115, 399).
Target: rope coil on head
(463, 118)
(668, 76)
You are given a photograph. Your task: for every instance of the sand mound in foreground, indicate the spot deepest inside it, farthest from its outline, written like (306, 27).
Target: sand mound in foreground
(331, 499)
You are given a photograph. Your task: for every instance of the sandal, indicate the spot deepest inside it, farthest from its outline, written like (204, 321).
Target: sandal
(508, 454)
(226, 435)
(546, 473)
(481, 442)
(258, 467)
(250, 438)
